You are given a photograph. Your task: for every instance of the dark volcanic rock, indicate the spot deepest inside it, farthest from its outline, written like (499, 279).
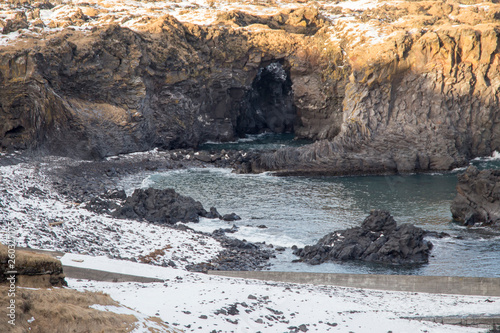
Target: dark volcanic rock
(478, 197)
(231, 217)
(238, 255)
(213, 214)
(379, 239)
(163, 206)
(101, 206)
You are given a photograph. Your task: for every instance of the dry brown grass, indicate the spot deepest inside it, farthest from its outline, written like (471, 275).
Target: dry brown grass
(34, 269)
(65, 310)
(153, 256)
(56, 309)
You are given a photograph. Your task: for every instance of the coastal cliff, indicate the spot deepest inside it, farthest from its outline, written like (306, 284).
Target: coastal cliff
(381, 87)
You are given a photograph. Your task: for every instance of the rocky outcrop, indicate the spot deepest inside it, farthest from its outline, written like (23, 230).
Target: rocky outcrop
(164, 84)
(478, 198)
(238, 255)
(32, 269)
(19, 21)
(422, 110)
(153, 205)
(379, 240)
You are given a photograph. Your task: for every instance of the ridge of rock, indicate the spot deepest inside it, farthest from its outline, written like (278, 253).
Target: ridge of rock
(383, 87)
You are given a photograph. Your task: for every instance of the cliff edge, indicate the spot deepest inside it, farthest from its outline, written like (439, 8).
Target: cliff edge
(380, 86)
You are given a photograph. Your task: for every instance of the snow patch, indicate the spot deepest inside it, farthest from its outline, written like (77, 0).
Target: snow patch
(36, 219)
(194, 302)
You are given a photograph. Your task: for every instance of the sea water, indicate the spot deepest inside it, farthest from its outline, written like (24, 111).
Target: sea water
(287, 211)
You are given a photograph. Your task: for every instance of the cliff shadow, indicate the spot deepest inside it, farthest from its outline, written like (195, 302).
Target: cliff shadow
(268, 105)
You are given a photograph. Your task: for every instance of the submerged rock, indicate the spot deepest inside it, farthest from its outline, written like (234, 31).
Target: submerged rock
(379, 239)
(478, 198)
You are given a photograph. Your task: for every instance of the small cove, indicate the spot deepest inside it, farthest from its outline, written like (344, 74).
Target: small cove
(300, 210)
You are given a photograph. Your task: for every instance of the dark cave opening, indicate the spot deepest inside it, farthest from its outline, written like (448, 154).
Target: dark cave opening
(18, 130)
(268, 105)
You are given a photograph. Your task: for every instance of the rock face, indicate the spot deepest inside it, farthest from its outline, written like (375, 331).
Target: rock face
(379, 240)
(269, 104)
(164, 84)
(153, 205)
(419, 94)
(161, 206)
(478, 198)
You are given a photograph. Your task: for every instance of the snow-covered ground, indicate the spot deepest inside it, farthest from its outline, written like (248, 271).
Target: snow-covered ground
(198, 302)
(344, 16)
(46, 220)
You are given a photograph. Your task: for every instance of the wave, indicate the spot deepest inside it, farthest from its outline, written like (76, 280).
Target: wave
(153, 151)
(248, 138)
(225, 172)
(250, 234)
(494, 157)
(459, 169)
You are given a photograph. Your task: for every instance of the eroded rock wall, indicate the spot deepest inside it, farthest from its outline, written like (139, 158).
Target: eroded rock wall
(478, 198)
(166, 84)
(431, 104)
(392, 87)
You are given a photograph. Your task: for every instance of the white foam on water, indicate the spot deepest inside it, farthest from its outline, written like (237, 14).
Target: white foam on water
(225, 172)
(459, 169)
(494, 157)
(258, 235)
(248, 233)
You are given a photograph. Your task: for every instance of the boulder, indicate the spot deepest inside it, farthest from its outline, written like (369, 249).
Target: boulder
(379, 240)
(213, 214)
(478, 198)
(231, 217)
(203, 156)
(162, 206)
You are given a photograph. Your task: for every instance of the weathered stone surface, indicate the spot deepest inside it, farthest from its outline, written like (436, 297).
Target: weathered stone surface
(423, 95)
(18, 22)
(166, 84)
(379, 240)
(231, 217)
(162, 206)
(478, 198)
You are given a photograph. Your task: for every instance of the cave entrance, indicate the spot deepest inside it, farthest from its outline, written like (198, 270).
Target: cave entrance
(268, 105)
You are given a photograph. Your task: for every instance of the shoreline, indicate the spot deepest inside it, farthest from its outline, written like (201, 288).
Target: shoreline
(203, 302)
(70, 184)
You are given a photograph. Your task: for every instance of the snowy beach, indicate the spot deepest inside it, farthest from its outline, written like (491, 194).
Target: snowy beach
(198, 302)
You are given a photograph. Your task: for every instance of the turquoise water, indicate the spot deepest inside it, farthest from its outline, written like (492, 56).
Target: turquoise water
(300, 210)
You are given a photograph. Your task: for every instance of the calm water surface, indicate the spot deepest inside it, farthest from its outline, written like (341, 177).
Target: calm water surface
(300, 210)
